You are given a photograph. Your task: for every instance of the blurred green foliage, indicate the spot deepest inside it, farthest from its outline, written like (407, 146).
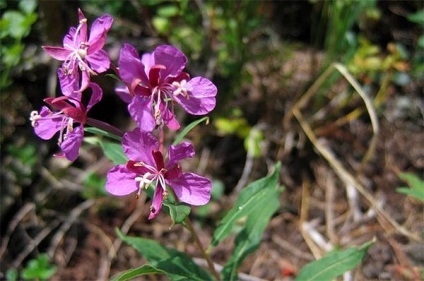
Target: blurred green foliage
(39, 268)
(15, 25)
(415, 184)
(418, 58)
(36, 269)
(94, 186)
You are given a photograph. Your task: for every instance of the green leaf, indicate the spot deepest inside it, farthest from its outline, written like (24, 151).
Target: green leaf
(100, 132)
(176, 265)
(178, 213)
(417, 17)
(247, 203)
(187, 129)
(39, 268)
(168, 11)
(415, 183)
(135, 272)
(249, 238)
(112, 150)
(27, 6)
(253, 141)
(333, 264)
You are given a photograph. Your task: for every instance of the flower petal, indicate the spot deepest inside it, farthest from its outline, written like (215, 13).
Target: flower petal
(58, 53)
(138, 146)
(156, 202)
(148, 60)
(140, 110)
(179, 152)
(71, 145)
(123, 92)
(82, 36)
(99, 61)
(48, 125)
(201, 96)
(96, 95)
(69, 84)
(120, 182)
(130, 66)
(172, 58)
(192, 189)
(98, 32)
(169, 118)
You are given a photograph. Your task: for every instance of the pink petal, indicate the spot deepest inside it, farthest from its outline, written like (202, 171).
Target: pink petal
(69, 84)
(140, 110)
(98, 32)
(192, 189)
(148, 60)
(121, 182)
(201, 96)
(71, 145)
(58, 53)
(123, 92)
(69, 40)
(130, 66)
(99, 61)
(170, 120)
(48, 126)
(82, 36)
(172, 58)
(179, 152)
(138, 146)
(156, 202)
(96, 95)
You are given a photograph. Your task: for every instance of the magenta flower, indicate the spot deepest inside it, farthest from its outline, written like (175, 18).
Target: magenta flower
(156, 81)
(83, 53)
(70, 110)
(147, 166)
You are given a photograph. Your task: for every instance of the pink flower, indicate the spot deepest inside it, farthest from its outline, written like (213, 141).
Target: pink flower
(147, 166)
(156, 81)
(83, 53)
(70, 110)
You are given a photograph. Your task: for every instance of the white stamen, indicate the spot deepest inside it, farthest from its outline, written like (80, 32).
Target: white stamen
(34, 117)
(181, 89)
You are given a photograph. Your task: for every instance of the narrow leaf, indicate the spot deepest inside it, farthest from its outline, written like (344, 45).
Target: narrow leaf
(187, 129)
(246, 203)
(415, 183)
(136, 272)
(175, 264)
(249, 239)
(100, 132)
(333, 264)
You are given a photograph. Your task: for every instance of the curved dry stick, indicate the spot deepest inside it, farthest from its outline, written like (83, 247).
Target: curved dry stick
(75, 213)
(28, 207)
(347, 178)
(106, 261)
(371, 111)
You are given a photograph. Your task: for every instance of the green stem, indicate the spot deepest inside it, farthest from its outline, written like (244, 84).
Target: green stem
(211, 266)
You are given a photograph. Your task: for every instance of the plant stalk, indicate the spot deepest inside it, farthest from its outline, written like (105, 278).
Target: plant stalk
(211, 266)
(105, 127)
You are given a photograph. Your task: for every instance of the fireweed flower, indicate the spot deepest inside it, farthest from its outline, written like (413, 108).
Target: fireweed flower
(147, 166)
(83, 53)
(156, 81)
(70, 110)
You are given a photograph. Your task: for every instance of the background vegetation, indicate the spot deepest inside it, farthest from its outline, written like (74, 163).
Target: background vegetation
(331, 89)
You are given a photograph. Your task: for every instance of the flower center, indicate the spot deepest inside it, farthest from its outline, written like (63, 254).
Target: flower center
(181, 89)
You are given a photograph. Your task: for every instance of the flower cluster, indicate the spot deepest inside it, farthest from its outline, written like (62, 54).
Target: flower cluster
(152, 84)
